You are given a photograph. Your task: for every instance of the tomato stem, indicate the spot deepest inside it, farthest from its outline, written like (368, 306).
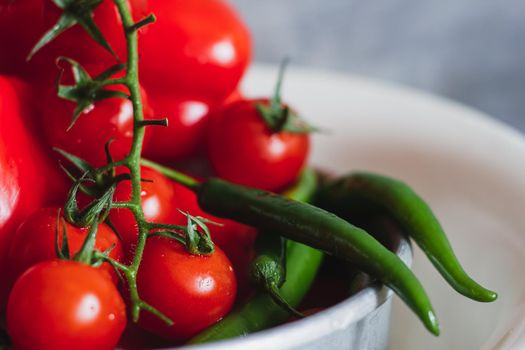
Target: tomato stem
(143, 22)
(132, 161)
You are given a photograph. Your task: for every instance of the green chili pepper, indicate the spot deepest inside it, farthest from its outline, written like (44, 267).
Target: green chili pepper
(361, 192)
(268, 268)
(319, 229)
(261, 312)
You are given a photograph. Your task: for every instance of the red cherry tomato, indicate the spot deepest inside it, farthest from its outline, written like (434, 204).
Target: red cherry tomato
(27, 180)
(193, 291)
(200, 48)
(235, 239)
(108, 119)
(42, 15)
(242, 149)
(156, 195)
(34, 241)
(186, 130)
(65, 305)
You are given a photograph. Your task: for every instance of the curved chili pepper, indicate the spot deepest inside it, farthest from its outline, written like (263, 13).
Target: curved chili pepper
(365, 191)
(319, 229)
(261, 312)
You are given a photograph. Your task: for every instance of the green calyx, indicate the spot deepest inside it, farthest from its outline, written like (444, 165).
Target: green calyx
(279, 117)
(195, 236)
(87, 90)
(61, 250)
(74, 12)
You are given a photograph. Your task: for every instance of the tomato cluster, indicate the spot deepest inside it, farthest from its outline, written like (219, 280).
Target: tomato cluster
(191, 62)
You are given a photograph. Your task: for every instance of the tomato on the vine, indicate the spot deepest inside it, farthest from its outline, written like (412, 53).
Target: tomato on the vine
(63, 304)
(193, 291)
(108, 119)
(34, 241)
(157, 197)
(243, 149)
(200, 48)
(74, 42)
(185, 134)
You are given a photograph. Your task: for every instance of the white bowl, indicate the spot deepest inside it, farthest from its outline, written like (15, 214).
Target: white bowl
(469, 167)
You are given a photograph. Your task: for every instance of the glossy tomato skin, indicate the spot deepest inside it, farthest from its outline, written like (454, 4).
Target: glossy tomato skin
(65, 305)
(156, 195)
(34, 241)
(194, 291)
(26, 175)
(74, 43)
(199, 48)
(185, 134)
(242, 149)
(108, 119)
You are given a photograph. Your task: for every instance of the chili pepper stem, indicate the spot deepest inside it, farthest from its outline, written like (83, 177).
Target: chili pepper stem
(172, 174)
(273, 291)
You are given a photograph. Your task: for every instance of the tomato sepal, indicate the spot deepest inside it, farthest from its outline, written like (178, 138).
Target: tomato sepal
(279, 117)
(74, 12)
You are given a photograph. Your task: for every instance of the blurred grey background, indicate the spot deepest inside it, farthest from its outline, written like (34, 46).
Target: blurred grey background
(472, 51)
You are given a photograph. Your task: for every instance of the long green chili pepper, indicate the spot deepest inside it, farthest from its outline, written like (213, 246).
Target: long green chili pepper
(360, 192)
(319, 229)
(268, 268)
(261, 312)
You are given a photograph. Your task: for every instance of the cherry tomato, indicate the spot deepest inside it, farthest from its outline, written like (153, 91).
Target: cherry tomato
(193, 291)
(108, 119)
(199, 48)
(27, 180)
(156, 195)
(34, 241)
(235, 239)
(65, 305)
(186, 130)
(42, 15)
(242, 149)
